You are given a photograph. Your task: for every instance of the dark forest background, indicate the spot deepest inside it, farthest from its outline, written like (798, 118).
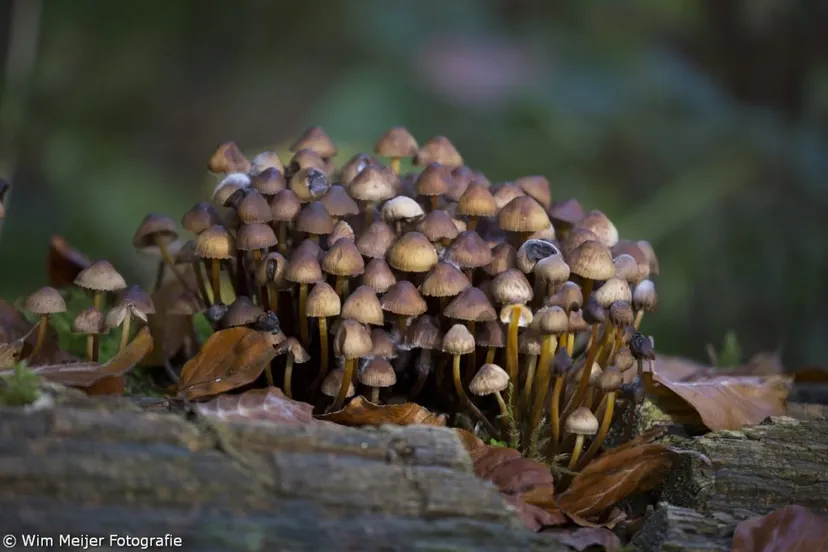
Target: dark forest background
(701, 126)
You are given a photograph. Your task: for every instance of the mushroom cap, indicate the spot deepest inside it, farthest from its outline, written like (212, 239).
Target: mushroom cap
(469, 250)
(562, 363)
(241, 312)
(624, 359)
(303, 268)
(285, 206)
(444, 280)
(470, 305)
(375, 241)
(373, 184)
(525, 314)
(314, 219)
(254, 208)
(229, 187)
(601, 226)
(569, 297)
(621, 314)
(503, 258)
(266, 160)
(396, 142)
(402, 208)
(353, 340)
(533, 250)
(292, 347)
(582, 422)
(215, 243)
(363, 305)
(566, 212)
(412, 253)
(378, 275)
(323, 302)
(305, 159)
(316, 140)
(100, 276)
(610, 380)
(576, 237)
(343, 259)
(90, 322)
(378, 373)
(338, 203)
(458, 340)
(341, 231)
(138, 299)
(591, 260)
(551, 320)
(438, 150)
(511, 286)
(333, 381)
(649, 252)
(626, 268)
(228, 158)
(200, 217)
(403, 299)
(255, 236)
(461, 178)
(269, 180)
(614, 289)
(382, 345)
(424, 333)
(46, 300)
(154, 226)
(523, 214)
(537, 187)
(644, 296)
(271, 269)
(552, 269)
(506, 193)
(354, 166)
(593, 312)
(530, 343)
(490, 379)
(309, 184)
(491, 334)
(438, 225)
(477, 201)
(434, 180)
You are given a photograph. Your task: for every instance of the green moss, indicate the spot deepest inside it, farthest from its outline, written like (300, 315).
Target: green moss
(19, 388)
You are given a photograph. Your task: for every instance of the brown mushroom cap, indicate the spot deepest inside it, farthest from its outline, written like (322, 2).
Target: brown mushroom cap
(471, 305)
(309, 184)
(438, 225)
(525, 314)
(353, 340)
(382, 345)
(610, 380)
(591, 260)
(644, 296)
(551, 320)
(323, 302)
(523, 214)
(255, 236)
(469, 250)
(435, 180)
(228, 158)
(141, 302)
(576, 237)
(614, 289)
(504, 194)
(490, 379)
(412, 253)
(503, 258)
(511, 286)
(309, 247)
(90, 322)
(569, 297)
(626, 268)
(649, 252)
(444, 280)
(264, 161)
(566, 212)
(285, 206)
(477, 201)
(403, 299)
(424, 333)
(314, 219)
(601, 226)
(438, 150)
(317, 140)
(375, 241)
(373, 184)
(378, 276)
(582, 422)
(458, 340)
(215, 243)
(253, 208)
(552, 270)
(292, 347)
(46, 300)
(241, 312)
(624, 359)
(354, 166)
(338, 203)
(200, 217)
(621, 314)
(378, 373)
(341, 230)
(363, 305)
(154, 226)
(268, 181)
(491, 334)
(396, 142)
(100, 276)
(303, 268)
(343, 259)
(333, 381)
(537, 187)
(632, 249)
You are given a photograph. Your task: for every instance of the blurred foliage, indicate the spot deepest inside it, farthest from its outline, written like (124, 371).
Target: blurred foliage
(19, 387)
(700, 126)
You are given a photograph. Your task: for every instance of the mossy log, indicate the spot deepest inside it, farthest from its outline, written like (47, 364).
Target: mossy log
(675, 529)
(82, 466)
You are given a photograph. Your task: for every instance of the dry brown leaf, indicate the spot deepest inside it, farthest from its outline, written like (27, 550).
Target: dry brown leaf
(470, 440)
(811, 374)
(85, 374)
(585, 537)
(270, 405)
(361, 412)
(789, 529)
(614, 476)
(228, 359)
(64, 262)
(527, 485)
(110, 385)
(12, 323)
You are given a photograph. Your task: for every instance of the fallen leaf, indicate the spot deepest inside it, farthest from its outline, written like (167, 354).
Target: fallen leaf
(584, 537)
(110, 385)
(470, 441)
(811, 374)
(12, 323)
(613, 476)
(361, 412)
(12, 351)
(526, 484)
(64, 262)
(85, 374)
(270, 405)
(789, 529)
(228, 359)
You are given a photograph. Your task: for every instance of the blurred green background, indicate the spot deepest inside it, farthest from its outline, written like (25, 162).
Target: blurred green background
(698, 125)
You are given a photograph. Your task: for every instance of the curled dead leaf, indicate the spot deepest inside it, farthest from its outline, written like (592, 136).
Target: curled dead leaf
(228, 359)
(269, 405)
(615, 475)
(361, 412)
(64, 262)
(788, 529)
(86, 374)
(586, 537)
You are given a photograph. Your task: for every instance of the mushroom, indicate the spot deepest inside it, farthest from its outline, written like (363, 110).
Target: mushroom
(322, 303)
(375, 241)
(438, 150)
(285, 207)
(401, 210)
(469, 251)
(397, 143)
(524, 216)
(303, 269)
(476, 202)
(44, 302)
(403, 300)
(353, 341)
(314, 221)
(512, 290)
(333, 382)
(371, 186)
(295, 354)
(228, 158)
(343, 261)
(644, 299)
(564, 214)
(215, 245)
(608, 382)
(133, 302)
(582, 422)
(412, 253)
(317, 140)
(491, 379)
(158, 231)
(90, 322)
(433, 182)
(338, 203)
(378, 276)
(550, 322)
(378, 373)
(457, 342)
(438, 227)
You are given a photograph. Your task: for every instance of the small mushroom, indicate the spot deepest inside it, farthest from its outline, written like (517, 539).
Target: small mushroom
(133, 302)
(353, 341)
(457, 342)
(323, 303)
(582, 422)
(491, 379)
(295, 354)
(44, 302)
(376, 375)
(90, 322)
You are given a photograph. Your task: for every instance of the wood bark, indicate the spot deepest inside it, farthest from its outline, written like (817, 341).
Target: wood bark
(83, 466)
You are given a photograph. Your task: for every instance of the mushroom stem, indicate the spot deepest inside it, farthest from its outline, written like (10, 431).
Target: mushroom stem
(288, 375)
(374, 395)
(576, 398)
(526, 394)
(125, 329)
(283, 241)
(504, 410)
(435, 202)
(570, 344)
(401, 324)
(548, 347)
(90, 348)
(268, 375)
(202, 285)
(323, 348)
(576, 452)
(303, 319)
(472, 223)
(369, 213)
(314, 238)
(395, 165)
(490, 355)
(350, 365)
(342, 287)
(639, 316)
(98, 303)
(595, 446)
(42, 326)
(586, 288)
(165, 255)
(555, 415)
(471, 365)
(159, 276)
(215, 279)
(512, 348)
(272, 298)
(458, 387)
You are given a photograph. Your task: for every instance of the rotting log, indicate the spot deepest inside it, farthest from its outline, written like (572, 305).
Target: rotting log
(87, 466)
(675, 529)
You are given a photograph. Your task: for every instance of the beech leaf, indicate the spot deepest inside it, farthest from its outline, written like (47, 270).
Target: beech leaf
(270, 405)
(86, 374)
(615, 475)
(585, 537)
(361, 412)
(228, 359)
(789, 529)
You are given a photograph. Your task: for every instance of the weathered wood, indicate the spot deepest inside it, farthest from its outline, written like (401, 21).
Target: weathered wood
(675, 529)
(101, 467)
